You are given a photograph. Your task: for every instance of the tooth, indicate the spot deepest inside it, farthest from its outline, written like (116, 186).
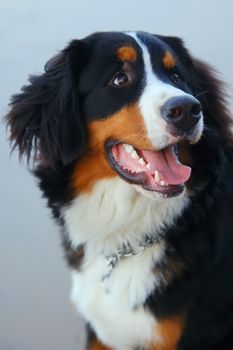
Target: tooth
(148, 166)
(134, 154)
(157, 178)
(141, 161)
(128, 148)
(162, 183)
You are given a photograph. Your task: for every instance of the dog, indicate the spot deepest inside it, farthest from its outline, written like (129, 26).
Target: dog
(130, 139)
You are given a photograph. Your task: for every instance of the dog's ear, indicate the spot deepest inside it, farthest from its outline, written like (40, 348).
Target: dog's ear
(211, 91)
(45, 119)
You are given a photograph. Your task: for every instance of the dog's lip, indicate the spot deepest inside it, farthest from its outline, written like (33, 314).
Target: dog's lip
(142, 178)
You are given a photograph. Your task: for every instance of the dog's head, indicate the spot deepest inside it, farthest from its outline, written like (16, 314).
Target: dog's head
(120, 104)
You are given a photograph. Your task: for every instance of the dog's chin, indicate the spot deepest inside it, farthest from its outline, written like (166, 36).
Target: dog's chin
(158, 196)
(156, 174)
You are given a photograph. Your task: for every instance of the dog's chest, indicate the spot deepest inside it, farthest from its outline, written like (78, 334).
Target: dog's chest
(115, 308)
(114, 213)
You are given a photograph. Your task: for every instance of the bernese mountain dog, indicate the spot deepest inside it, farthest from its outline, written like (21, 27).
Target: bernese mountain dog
(130, 139)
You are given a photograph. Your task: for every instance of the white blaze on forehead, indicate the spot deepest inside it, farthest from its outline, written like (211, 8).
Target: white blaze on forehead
(154, 95)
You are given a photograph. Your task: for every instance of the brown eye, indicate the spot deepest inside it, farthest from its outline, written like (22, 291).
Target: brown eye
(120, 79)
(175, 76)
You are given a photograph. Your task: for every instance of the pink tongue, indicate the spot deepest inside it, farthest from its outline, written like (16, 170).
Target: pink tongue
(168, 166)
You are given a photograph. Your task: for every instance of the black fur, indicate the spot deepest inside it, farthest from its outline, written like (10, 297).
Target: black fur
(203, 237)
(49, 118)
(46, 115)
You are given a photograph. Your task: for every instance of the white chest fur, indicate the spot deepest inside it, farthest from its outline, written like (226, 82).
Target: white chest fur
(116, 320)
(114, 213)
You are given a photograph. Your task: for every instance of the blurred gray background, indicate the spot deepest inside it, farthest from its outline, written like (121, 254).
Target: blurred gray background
(35, 313)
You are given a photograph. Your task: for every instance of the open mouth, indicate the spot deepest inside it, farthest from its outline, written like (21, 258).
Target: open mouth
(156, 171)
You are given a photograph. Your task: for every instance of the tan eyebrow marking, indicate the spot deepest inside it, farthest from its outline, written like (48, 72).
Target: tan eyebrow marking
(126, 53)
(168, 60)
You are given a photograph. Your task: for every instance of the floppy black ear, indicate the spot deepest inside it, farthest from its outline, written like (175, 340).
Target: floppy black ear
(45, 119)
(211, 91)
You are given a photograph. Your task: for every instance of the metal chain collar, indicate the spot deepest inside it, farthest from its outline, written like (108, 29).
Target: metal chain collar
(127, 251)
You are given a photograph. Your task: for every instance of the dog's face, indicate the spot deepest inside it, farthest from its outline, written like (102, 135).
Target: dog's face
(138, 107)
(114, 104)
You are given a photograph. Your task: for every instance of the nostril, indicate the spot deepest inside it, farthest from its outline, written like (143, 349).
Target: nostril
(181, 107)
(196, 109)
(182, 113)
(175, 112)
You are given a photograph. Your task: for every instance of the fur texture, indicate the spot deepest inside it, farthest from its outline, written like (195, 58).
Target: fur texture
(99, 102)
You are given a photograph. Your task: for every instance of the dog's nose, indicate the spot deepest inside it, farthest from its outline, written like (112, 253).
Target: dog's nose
(182, 112)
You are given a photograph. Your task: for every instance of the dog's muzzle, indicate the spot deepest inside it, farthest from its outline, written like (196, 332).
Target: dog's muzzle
(182, 114)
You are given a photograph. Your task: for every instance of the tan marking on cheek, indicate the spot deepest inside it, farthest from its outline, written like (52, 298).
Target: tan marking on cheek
(126, 53)
(126, 126)
(168, 60)
(91, 167)
(98, 346)
(170, 331)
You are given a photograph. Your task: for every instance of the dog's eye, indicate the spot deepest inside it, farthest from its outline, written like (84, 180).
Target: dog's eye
(120, 79)
(175, 76)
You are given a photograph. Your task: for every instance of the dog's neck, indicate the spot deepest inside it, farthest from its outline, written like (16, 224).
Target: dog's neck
(114, 213)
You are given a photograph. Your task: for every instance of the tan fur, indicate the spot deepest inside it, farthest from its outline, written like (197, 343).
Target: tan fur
(126, 126)
(168, 60)
(170, 330)
(126, 53)
(96, 345)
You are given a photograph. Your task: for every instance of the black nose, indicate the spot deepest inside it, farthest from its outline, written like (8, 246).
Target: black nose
(182, 112)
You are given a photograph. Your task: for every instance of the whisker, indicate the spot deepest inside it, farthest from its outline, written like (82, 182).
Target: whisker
(201, 93)
(206, 131)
